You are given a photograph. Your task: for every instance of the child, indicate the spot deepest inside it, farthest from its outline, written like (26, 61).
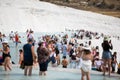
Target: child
(64, 62)
(20, 56)
(114, 61)
(21, 59)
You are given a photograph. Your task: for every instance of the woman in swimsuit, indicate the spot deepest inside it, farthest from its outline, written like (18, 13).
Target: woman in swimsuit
(6, 55)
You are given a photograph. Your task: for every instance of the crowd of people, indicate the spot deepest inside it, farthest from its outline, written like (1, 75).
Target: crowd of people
(82, 56)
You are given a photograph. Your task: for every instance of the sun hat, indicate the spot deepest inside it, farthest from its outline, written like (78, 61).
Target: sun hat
(4, 41)
(87, 48)
(105, 38)
(74, 54)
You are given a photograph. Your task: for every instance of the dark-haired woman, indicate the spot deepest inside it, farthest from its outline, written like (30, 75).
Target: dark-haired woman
(43, 56)
(86, 63)
(106, 56)
(6, 55)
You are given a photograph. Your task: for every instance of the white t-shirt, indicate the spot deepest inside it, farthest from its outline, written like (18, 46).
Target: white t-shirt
(11, 34)
(98, 63)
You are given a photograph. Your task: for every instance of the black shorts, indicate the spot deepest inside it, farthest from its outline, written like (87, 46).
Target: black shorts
(43, 66)
(28, 63)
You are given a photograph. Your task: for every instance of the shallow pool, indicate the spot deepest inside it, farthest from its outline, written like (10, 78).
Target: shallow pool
(52, 74)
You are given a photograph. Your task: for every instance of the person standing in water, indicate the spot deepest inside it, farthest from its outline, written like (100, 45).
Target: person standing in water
(20, 56)
(114, 61)
(106, 55)
(86, 63)
(29, 57)
(17, 40)
(6, 55)
(43, 57)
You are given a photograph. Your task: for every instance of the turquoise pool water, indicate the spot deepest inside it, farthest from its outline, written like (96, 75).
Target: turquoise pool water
(52, 74)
